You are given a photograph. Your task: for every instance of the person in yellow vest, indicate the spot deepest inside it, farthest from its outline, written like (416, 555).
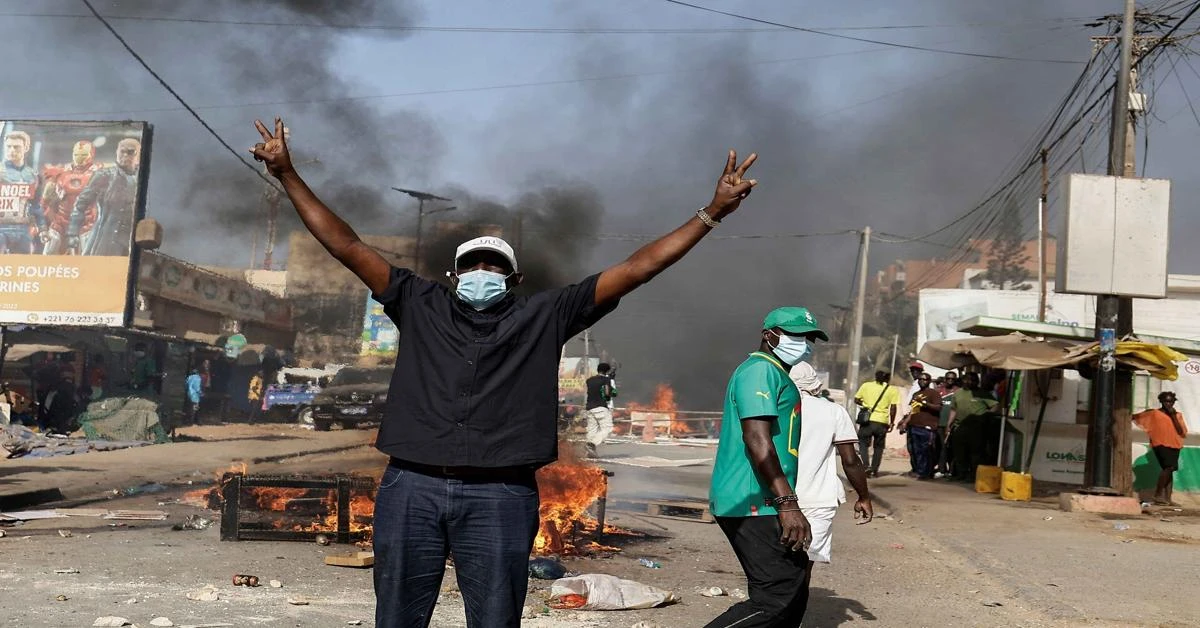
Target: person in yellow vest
(254, 395)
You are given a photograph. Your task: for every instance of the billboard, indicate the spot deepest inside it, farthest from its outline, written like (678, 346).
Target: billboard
(70, 196)
(379, 335)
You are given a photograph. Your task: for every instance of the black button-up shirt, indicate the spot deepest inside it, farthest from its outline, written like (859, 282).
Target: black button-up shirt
(478, 389)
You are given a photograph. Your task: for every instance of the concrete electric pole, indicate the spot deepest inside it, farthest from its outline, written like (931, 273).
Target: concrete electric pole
(421, 214)
(857, 331)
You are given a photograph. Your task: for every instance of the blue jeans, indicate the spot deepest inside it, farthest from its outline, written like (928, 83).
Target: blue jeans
(421, 519)
(920, 446)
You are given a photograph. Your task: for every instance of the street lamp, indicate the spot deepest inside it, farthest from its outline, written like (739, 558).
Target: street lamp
(421, 213)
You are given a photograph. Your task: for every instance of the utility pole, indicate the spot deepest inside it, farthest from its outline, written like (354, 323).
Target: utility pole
(421, 214)
(857, 330)
(271, 198)
(1042, 240)
(1110, 431)
(895, 345)
(1102, 428)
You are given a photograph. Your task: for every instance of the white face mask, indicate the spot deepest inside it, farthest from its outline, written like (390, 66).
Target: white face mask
(790, 350)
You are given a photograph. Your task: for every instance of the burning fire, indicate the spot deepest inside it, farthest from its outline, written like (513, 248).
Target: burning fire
(304, 510)
(664, 403)
(567, 489)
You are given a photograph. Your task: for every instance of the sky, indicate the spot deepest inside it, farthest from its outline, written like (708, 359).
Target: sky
(600, 135)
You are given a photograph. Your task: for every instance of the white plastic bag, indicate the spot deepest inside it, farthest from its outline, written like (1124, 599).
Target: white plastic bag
(610, 593)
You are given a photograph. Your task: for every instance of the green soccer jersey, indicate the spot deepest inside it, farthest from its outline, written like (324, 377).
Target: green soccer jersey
(760, 387)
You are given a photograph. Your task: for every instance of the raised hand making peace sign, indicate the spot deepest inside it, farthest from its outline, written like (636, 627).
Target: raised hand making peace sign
(732, 188)
(273, 149)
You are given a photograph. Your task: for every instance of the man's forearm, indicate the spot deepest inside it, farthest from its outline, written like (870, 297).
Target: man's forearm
(766, 465)
(330, 230)
(652, 259)
(856, 473)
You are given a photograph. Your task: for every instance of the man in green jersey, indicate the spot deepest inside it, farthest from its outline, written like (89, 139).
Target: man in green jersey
(753, 493)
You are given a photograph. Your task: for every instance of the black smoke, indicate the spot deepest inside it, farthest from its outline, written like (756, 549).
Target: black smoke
(899, 140)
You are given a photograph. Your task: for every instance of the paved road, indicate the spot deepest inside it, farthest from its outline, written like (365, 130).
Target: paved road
(946, 556)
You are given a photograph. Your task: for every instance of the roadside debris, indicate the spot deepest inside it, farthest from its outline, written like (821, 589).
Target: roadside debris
(1120, 526)
(897, 546)
(66, 571)
(297, 601)
(275, 584)
(243, 580)
(161, 621)
(208, 594)
(602, 592)
(143, 489)
(137, 515)
(193, 522)
(354, 622)
(322, 539)
(66, 534)
(61, 598)
(356, 559)
(993, 604)
(649, 564)
(546, 569)
(714, 592)
(1047, 518)
(111, 621)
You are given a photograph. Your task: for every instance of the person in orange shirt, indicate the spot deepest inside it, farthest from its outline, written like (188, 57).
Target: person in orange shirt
(1166, 428)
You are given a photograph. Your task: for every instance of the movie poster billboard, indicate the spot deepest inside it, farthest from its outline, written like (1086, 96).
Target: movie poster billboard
(379, 336)
(70, 196)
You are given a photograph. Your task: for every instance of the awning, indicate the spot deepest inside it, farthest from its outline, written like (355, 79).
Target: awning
(22, 351)
(996, 326)
(1014, 352)
(1018, 352)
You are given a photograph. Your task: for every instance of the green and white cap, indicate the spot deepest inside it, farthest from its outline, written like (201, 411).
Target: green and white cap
(794, 320)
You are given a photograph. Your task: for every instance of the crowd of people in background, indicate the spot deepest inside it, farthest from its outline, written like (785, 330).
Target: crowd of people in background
(951, 424)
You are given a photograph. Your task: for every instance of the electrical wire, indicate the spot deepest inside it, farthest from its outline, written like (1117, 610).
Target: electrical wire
(892, 44)
(528, 30)
(1075, 120)
(176, 95)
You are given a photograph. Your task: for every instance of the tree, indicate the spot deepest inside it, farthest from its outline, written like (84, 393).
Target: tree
(1007, 258)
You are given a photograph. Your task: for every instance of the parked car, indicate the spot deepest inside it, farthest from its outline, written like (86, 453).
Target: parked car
(292, 397)
(356, 395)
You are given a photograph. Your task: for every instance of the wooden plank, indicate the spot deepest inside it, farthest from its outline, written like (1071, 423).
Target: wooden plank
(357, 559)
(82, 512)
(139, 515)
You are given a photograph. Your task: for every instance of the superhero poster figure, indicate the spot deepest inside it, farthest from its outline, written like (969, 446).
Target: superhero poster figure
(112, 192)
(20, 219)
(63, 184)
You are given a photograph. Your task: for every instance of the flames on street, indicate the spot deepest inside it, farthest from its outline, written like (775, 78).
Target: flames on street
(664, 404)
(296, 509)
(567, 489)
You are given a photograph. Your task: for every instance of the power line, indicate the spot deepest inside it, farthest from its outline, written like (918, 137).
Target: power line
(528, 30)
(433, 92)
(892, 44)
(179, 98)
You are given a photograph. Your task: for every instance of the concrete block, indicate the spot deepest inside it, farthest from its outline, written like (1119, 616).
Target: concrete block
(1106, 504)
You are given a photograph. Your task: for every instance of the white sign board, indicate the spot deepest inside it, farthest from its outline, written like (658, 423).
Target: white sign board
(1114, 236)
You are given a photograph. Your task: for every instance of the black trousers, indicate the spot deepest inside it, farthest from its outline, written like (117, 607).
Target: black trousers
(777, 578)
(871, 439)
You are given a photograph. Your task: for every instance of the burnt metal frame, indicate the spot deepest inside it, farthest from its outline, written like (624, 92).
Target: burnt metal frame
(231, 493)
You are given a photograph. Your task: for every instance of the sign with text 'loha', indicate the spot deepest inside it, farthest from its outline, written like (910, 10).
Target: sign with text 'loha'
(70, 196)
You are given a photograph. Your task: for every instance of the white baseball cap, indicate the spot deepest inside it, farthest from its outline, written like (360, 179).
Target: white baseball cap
(487, 243)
